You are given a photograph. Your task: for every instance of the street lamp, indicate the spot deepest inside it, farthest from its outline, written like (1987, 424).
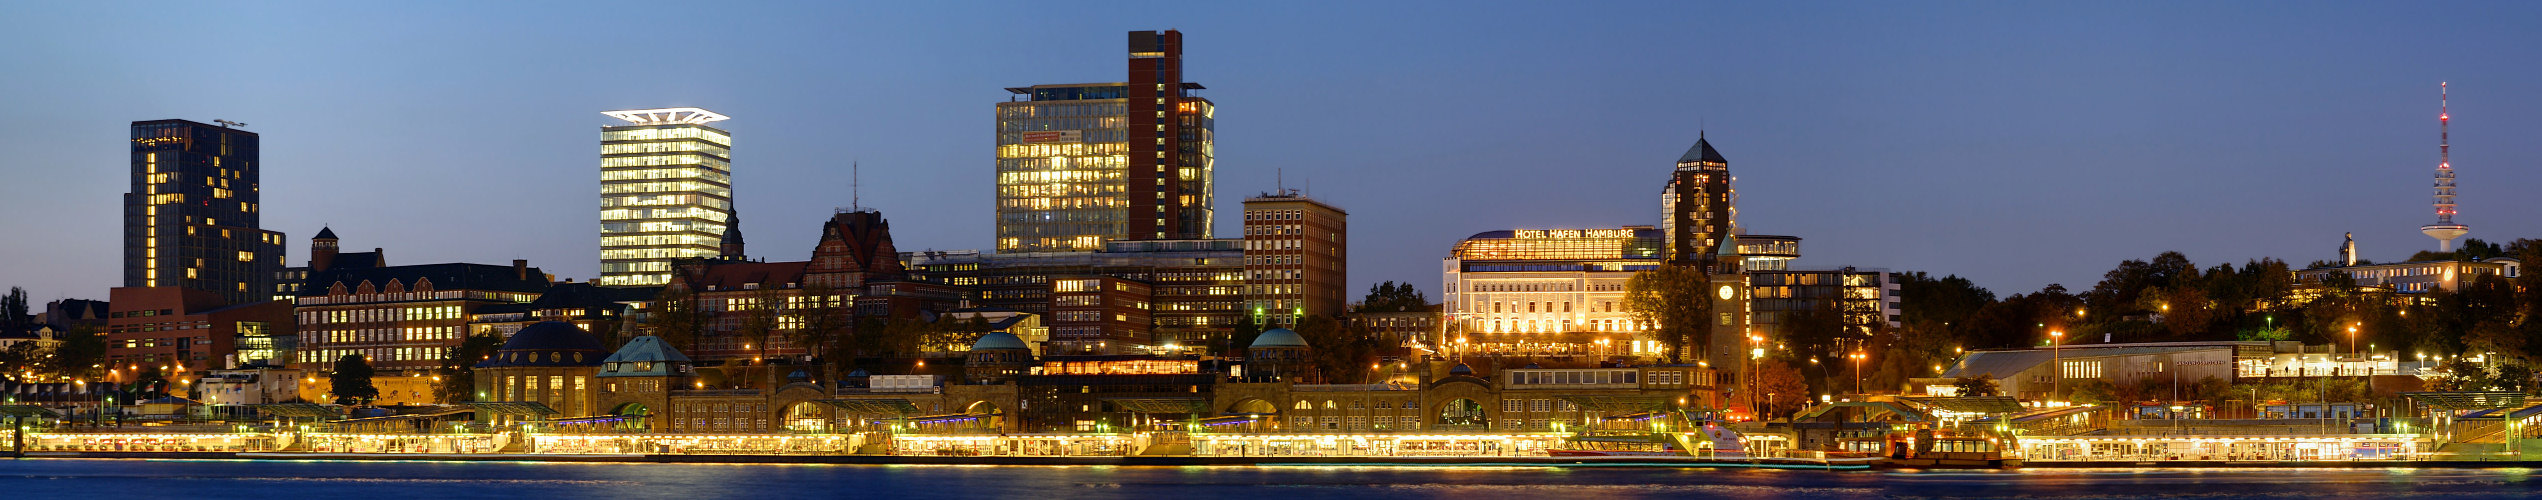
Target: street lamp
(1857, 357)
(2056, 362)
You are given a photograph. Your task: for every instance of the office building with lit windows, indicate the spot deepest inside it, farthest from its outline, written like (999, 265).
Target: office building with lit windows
(1548, 292)
(1079, 165)
(666, 192)
(176, 331)
(191, 218)
(401, 319)
(1296, 258)
(1699, 206)
(1196, 287)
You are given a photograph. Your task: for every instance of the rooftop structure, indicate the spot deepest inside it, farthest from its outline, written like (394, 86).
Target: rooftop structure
(2444, 230)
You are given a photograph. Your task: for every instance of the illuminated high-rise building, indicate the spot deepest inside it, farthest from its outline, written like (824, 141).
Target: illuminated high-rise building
(1079, 165)
(190, 220)
(666, 192)
(1699, 208)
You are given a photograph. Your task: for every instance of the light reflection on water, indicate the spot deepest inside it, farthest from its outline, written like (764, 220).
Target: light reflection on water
(54, 478)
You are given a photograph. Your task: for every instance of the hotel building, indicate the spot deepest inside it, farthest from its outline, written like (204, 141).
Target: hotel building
(1296, 259)
(190, 219)
(1079, 165)
(666, 192)
(1548, 291)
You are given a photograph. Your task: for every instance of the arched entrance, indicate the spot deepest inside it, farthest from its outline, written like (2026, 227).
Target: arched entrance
(1249, 415)
(807, 416)
(1463, 414)
(637, 417)
(987, 416)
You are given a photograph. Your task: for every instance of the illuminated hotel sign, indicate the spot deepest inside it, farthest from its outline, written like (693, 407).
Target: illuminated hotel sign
(1573, 233)
(1054, 136)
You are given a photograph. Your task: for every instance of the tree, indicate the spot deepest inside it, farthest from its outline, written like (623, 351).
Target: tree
(1394, 297)
(351, 381)
(78, 352)
(1983, 385)
(825, 320)
(458, 370)
(1243, 333)
(21, 358)
(2091, 391)
(1777, 387)
(951, 334)
(762, 317)
(13, 311)
(1671, 299)
(1342, 352)
(679, 316)
(762, 314)
(1947, 300)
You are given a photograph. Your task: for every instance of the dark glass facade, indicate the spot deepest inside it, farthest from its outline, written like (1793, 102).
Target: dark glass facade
(191, 219)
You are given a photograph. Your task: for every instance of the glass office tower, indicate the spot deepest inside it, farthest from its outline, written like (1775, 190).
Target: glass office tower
(191, 218)
(1079, 165)
(666, 192)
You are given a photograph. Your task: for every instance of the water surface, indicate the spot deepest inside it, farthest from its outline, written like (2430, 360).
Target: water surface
(366, 480)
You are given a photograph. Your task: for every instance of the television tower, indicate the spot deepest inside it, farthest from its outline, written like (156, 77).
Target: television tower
(2444, 230)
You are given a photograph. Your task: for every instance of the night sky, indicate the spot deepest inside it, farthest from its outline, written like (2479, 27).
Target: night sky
(2018, 144)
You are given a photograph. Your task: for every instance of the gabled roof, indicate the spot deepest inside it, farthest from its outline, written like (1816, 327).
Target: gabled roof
(1702, 152)
(584, 295)
(731, 275)
(443, 277)
(648, 349)
(358, 260)
(324, 233)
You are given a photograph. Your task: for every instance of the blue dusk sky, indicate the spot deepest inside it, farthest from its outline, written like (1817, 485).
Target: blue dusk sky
(2015, 143)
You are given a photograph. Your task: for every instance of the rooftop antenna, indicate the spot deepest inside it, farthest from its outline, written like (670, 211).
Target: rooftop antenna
(856, 186)
(2444, 230)
(230, 124)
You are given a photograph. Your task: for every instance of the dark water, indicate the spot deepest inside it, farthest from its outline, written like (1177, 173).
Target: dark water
(52, 478)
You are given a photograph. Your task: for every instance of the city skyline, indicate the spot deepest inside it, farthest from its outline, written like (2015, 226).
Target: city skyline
(2230, 135)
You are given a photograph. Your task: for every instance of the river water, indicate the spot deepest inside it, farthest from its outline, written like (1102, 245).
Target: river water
(365, 480)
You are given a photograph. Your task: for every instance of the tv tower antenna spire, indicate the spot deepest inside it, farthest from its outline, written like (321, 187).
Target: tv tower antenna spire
(2444, 230)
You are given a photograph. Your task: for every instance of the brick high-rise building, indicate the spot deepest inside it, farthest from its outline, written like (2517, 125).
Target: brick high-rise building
(1079, 165)
(190, 220)
(1296, 258)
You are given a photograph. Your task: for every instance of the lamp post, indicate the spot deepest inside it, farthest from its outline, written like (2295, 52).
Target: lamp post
(1857, 357)
(1749, 378)
(2056, 362)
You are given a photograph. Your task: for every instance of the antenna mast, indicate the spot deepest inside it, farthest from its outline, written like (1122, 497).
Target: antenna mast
(856, 186)
(2444, 154)
(2444, 230)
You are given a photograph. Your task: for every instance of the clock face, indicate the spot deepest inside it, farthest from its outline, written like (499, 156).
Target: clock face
(1727, 293)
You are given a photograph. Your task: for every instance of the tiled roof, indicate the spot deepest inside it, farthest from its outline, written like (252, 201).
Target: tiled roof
(442, 276)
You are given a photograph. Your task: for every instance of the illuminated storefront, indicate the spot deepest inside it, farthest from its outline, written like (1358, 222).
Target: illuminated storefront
(1517, 444)
(666, 192)
(2224, 448)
